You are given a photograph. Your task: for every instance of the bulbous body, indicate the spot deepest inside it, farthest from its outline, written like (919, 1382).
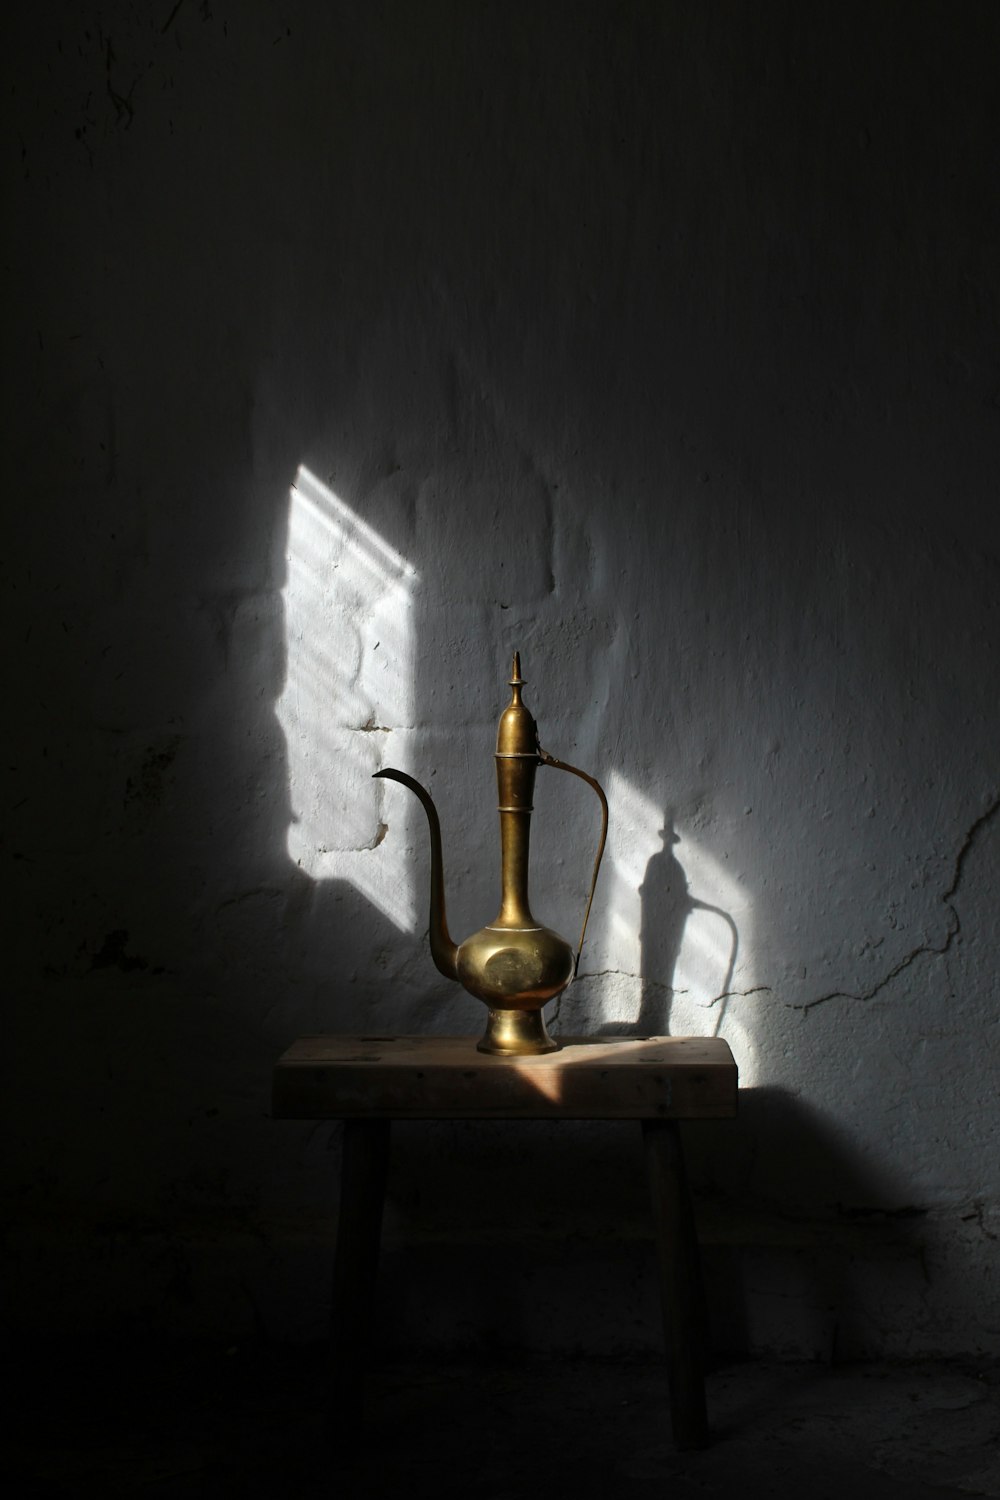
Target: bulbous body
(519, 967)
(514, 965)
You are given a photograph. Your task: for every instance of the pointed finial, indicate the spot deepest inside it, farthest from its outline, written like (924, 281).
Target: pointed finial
(515, 671)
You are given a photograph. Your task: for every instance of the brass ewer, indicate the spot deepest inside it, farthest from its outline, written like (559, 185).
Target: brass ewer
(515, 966)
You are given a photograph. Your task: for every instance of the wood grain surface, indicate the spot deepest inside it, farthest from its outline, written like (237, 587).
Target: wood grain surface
(438, 1077)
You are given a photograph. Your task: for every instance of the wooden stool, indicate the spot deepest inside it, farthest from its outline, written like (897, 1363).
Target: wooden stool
(370, 1081)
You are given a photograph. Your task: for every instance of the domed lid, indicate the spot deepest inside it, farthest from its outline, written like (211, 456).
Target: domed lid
(517, 733)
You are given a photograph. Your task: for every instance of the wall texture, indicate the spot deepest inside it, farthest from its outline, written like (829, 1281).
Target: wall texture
(357, 345)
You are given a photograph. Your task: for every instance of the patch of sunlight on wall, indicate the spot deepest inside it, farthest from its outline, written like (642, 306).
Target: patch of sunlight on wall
(348, 688)
(696, 927)
(633, 839)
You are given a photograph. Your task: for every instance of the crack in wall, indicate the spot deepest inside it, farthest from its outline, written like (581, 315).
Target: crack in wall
(646, 985)
(655, 984)
(977, 1218)
(937, 951)
(863, 996)
(755, 989)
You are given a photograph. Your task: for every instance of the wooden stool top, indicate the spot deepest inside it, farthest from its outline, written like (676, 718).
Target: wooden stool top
(444, 1077)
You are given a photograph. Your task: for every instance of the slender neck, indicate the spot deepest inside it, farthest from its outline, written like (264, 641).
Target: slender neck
(517, 762)
(515, 831)
(514, 783)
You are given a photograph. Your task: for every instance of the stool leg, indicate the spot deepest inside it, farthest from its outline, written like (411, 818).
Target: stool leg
(681, 1294)
(362, 1192)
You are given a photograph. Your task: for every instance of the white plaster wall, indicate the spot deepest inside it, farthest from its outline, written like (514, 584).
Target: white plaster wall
(357, 346)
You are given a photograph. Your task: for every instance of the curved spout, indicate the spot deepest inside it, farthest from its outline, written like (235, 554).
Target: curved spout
(443, 951)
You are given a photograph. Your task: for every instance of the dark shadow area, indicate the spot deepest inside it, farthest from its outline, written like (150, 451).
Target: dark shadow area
(801, 1235)
(210, 1423)
(788, 1209)
(516, 1235)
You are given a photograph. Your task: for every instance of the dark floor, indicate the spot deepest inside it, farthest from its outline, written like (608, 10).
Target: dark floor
(251, 1424)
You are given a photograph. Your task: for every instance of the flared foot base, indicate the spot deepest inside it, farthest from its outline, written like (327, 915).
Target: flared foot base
(516, 1033)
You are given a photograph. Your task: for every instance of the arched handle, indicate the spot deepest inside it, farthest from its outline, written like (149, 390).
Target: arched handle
(560, 765)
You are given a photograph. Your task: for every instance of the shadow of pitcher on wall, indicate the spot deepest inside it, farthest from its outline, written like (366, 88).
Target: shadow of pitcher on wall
(667, 903)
